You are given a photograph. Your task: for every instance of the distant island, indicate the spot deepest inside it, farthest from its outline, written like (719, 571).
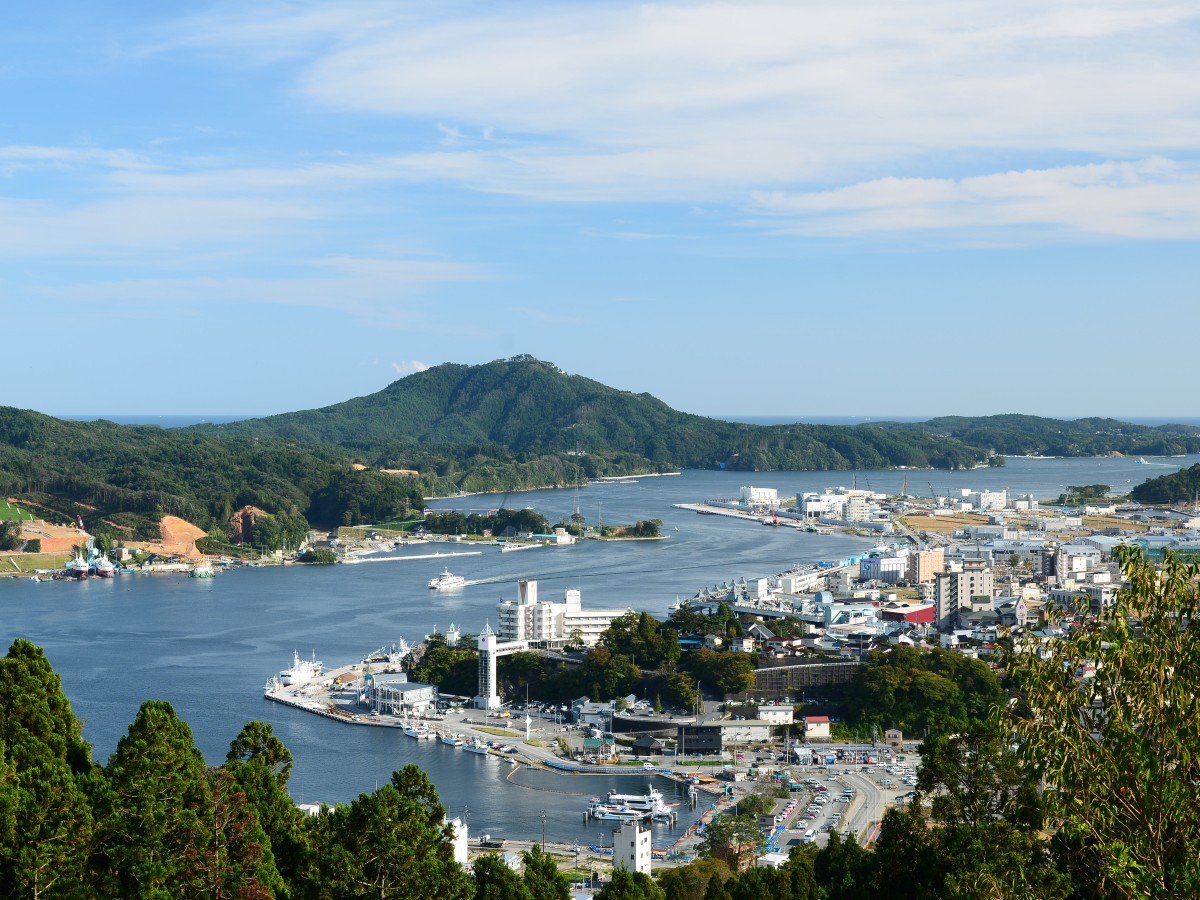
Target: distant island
(512, 424)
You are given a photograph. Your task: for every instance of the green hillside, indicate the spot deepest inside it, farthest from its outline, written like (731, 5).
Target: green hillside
(513, 411)
(121, 479)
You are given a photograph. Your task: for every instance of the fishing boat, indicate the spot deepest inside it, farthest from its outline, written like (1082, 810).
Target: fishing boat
(203, 570)
(446, 580)
(452, 739)
(301, 672)
(104, 568)
(476, 746)
(78, 567)
(511, 547)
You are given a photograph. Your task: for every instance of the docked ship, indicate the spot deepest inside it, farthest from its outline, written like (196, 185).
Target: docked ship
(203, 570)
(649, 802)
(476, 746)
(104, 568)
(78, 567)
(611, 812)
(452, 739)
(301, 672)
(388, 656)
(446, 580)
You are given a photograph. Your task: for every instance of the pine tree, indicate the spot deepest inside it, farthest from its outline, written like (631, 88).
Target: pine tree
(46, 779)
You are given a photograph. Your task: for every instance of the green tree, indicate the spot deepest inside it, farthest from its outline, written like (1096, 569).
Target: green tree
(155, 826)
(260, 764)
(691, 881)
(543, 880)
(393, 843)
(1109, 720)
(494, 880)
(989, 816)
(46, 782)
(626, 885)
(729, 838)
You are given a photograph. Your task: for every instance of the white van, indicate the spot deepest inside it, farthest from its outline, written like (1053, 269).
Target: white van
(810, 835)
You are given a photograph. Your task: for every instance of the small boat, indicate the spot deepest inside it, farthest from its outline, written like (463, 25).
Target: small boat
(476, 746)
(203, 570)
(511, 547)
(452, 740)
(446, 580)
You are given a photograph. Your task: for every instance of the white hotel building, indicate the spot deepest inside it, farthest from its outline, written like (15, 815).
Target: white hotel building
(551, 624)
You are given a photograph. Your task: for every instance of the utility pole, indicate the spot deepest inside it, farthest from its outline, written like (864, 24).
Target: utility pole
(543, 831)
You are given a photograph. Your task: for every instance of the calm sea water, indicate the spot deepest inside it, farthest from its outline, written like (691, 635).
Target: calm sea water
(207, 646)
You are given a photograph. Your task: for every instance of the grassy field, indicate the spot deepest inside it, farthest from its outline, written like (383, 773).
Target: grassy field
(25, 563)
(9, 512)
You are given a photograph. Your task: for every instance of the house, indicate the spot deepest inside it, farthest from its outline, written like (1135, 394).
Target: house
(816, 728)
(780, 714)
(713, 641)
(586, 712)
(742, 645)
(894, 738)
(647, 745)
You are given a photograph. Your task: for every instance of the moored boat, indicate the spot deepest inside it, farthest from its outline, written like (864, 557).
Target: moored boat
(78, 567)
(301, 672)
(104, 568)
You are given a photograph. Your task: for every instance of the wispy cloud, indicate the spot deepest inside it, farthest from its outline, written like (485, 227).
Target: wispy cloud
(709, 102)
(1152, 198)
(379, 291)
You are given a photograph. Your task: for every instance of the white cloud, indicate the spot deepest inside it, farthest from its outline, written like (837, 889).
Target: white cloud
(1152, 198)
(706, 101)
(409, 366)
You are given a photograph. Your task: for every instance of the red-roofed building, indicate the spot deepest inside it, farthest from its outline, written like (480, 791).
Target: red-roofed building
(816, 728)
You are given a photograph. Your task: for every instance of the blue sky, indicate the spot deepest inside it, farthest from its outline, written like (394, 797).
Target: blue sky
(865, 208)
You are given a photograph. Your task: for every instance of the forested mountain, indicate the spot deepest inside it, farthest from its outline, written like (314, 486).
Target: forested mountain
(1017, 435)
(512, 412)
(121, 479)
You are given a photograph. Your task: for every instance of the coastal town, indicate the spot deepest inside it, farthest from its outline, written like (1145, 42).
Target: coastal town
(770, 728)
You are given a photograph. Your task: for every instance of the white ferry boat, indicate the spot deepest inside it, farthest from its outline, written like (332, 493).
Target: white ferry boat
(649, 802)
(446, 580)
(301, 672)
(610, 812)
